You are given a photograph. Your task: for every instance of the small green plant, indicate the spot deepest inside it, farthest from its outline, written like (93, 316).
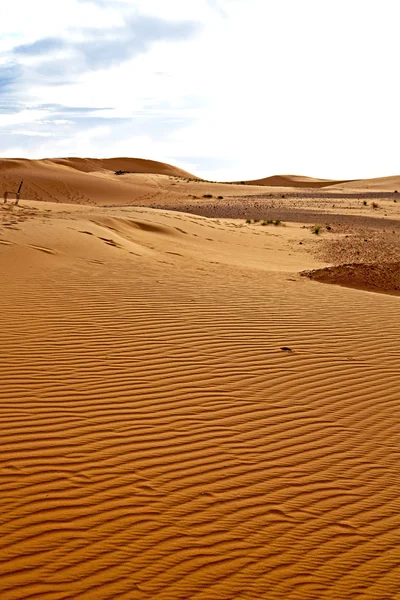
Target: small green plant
(248, 221)
(316, 229)
(256, 220)
(270, 222)
(375, 205)
(365, 203)
(207, 196)
(220, 197)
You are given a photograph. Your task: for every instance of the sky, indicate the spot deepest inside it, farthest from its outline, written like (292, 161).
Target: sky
(225, 89)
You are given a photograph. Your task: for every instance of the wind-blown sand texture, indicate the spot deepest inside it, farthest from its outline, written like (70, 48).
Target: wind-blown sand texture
(183, 416)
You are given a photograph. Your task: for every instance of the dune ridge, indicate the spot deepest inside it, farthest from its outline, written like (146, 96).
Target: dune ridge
(155, 439)
(130, 165)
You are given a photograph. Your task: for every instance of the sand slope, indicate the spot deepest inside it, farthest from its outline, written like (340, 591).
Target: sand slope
(83, 181)
(156, 441)
(381, 277)
(378, 184)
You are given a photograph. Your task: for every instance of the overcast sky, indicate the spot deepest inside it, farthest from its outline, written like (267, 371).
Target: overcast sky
(226, 89)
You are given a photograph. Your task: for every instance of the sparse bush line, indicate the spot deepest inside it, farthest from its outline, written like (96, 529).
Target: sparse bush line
(265, 221)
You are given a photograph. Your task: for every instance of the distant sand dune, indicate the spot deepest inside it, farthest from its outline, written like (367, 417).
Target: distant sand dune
(156, 441)
(294, 181)
(379, 184)
(150, 183)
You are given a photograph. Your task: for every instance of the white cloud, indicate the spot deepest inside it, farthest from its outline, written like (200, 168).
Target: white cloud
(267, 86)
(21, 118)
(31, 133)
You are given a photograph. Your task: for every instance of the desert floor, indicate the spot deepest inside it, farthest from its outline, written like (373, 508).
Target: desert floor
(183, 415)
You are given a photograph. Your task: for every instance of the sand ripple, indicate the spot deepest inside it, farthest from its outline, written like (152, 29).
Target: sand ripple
(157, 443)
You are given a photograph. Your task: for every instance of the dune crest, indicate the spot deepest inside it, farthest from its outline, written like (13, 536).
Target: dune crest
(130, 165)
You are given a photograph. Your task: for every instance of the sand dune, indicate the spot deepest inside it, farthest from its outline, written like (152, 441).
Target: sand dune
(84, 181)
(295, 181)
(131, 165)
(150, 183)
(46, 180)
(94, 181)
(183, 416)
(378, 184)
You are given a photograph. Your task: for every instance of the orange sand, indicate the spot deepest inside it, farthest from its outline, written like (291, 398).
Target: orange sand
(157, 443)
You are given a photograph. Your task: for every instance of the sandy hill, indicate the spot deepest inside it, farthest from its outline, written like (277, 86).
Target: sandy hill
(94, 181)
(83, 180)
(294, 181)
(129, 165)
(377, 184)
